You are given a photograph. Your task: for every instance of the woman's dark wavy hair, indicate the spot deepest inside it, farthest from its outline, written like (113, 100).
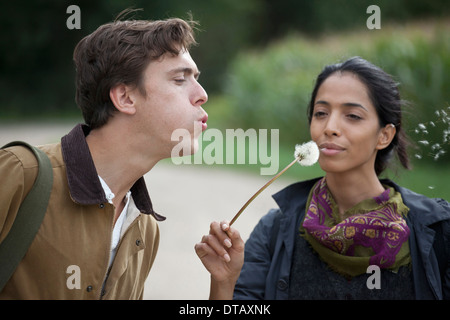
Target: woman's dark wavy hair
(384, 94)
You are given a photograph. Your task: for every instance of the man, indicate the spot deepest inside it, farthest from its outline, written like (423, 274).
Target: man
(135, 84)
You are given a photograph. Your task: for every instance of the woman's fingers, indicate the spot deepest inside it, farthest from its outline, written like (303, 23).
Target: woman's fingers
(222, 241)
(222, 252)
(219, 240)
(220, 230)
(202, 249)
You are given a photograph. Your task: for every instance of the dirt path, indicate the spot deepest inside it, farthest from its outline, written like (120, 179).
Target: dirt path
(190, 196)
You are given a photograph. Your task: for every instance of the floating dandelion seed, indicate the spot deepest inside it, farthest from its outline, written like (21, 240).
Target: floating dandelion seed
(437, 155)
(422, 126)
(305, 154)
(445, 136)
(432, 143)
(435, 146)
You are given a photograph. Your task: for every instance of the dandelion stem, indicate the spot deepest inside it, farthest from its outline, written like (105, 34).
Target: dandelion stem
(262, 189)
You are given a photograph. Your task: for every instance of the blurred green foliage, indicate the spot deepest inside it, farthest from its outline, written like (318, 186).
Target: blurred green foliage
(258, 58)
(36, 69)
(271, 88)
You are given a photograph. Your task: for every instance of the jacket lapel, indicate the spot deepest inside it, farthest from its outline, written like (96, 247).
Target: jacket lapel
(292, 201)
(84, 185)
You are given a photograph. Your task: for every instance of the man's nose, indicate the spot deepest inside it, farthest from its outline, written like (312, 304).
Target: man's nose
(200, 96)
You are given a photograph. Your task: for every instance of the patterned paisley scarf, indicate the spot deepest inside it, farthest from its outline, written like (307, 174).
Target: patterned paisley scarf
(374, 232)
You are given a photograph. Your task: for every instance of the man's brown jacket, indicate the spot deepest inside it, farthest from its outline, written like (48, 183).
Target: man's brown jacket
(69, 256)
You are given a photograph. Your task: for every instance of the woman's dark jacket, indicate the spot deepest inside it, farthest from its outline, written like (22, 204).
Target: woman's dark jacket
(265, 274)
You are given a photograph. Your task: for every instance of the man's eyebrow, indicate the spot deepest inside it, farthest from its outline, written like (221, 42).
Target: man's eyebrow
(346, 104)
(186, 70)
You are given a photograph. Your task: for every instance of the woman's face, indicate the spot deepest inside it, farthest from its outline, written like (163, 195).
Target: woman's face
(345, 126)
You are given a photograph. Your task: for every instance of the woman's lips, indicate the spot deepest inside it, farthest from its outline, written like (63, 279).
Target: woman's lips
(330, 149)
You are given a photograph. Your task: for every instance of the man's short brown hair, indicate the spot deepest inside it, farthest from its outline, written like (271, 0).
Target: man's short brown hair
(118, 53)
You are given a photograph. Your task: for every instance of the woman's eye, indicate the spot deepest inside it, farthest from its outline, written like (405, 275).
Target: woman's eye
(354, 117)
(179, 81)
(319, 114)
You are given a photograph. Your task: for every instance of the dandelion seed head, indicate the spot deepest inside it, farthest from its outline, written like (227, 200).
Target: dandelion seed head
(307, 153)
(424, 142)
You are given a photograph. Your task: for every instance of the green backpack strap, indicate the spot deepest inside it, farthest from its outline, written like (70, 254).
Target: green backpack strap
(29, 217)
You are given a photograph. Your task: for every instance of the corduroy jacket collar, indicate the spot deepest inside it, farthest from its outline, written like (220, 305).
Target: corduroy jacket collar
(85, 187)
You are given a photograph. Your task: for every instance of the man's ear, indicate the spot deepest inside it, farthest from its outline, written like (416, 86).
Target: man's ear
(386, 136)
(123, 98)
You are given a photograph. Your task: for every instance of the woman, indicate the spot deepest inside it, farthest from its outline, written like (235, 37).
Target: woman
(350, 235)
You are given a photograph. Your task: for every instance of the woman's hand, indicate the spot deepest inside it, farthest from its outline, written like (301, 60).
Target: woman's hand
(222, 254)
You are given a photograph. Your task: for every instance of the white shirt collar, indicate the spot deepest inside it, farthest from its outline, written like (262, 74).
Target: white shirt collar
(108, 193)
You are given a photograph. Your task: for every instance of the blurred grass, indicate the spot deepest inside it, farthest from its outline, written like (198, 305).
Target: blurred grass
(427, 179)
